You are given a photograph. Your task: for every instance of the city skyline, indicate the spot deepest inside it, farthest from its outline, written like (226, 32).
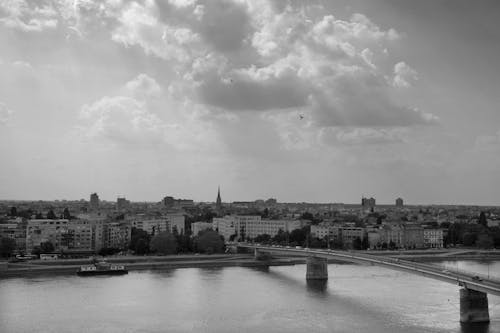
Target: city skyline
(325, 101)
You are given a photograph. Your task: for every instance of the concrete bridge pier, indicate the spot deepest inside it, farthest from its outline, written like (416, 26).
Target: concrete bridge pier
(317, 268)
(260, 255)
(473, 306)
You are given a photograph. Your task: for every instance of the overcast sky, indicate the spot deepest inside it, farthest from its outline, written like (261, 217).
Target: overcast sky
(299, 100)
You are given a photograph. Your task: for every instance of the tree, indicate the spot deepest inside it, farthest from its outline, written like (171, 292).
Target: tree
(357, 243)
(13, 211)
(141, 246)
(184, 243)
(36, 251)
(106, 251)
(209, 241)
(164, 243)
(365, 244)
(46, 247)
(281, 237)
(7, 246)
(484, 241)
(264, 238)
(137, 234)
(299, 236)
(469, 239)
(51, 215)
(307, 216)
(482, 219)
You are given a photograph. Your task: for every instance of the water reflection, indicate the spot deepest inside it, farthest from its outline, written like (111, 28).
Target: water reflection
(475, 328)
(317, 286)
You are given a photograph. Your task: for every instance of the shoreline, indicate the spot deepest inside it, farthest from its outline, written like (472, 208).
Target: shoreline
(32, 269)
(141, 263)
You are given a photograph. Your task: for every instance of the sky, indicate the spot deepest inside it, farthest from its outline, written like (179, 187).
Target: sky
(302, 101)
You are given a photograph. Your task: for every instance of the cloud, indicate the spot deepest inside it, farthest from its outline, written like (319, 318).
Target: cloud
(403, 75)
(362, 136)
(28, 15)
(488, 143)
(5, 114)
(125, 119)
(143, 85)
(259, 56)
(360, 98)
(122, 119)
(144, 115)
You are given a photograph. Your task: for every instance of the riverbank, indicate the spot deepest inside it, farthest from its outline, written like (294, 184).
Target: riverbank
(133, 263)
(439, 254)
(136, 263)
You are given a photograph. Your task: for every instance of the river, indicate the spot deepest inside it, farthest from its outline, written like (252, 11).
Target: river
(233, 299)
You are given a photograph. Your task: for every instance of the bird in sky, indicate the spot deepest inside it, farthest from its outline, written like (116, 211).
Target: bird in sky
(301, 116)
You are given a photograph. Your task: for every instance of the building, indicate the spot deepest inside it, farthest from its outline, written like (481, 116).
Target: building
(117, 235)
(249, 227)
(349, 234)
(170, 203)
(368, 204)
(176, 222)
(122, 203)
(94, 202)
(413, 236)
(152, 226)
(196, 227)
(399, 202)
(17, 231)
(225, 226)
(433, 238)
(326, 230)
(218, 203)
(63, 234)
(391, 233)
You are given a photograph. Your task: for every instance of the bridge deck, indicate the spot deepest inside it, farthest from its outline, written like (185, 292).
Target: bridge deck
(464, 279)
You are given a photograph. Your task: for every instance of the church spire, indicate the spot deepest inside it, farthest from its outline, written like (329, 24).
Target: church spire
(218, 203)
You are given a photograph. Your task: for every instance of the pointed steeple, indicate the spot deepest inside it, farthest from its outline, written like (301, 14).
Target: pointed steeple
(218, 203)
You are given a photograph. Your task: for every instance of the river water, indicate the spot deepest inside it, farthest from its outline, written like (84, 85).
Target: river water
(233, 299)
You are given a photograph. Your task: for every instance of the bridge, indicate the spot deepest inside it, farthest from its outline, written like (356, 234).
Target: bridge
(473, 293)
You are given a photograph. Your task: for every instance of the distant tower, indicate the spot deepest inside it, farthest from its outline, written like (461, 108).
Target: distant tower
(399, 202)
(218, 203)
(94, 201)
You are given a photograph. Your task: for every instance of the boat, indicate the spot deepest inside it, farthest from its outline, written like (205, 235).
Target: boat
(101, 268)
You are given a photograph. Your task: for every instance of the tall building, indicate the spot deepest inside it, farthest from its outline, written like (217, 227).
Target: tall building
(122, 203)
(218, 203)
(368, 204)
(94, 201)
(399, 202)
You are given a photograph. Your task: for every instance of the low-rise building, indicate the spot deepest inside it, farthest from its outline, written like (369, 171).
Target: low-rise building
(249, 227)
(196, 227)
(433, 238)
(117, 235)
(176, 222)
(152, 226)
(17, 231)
